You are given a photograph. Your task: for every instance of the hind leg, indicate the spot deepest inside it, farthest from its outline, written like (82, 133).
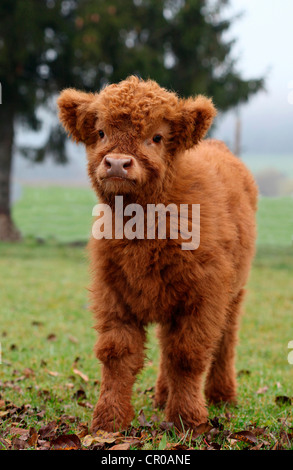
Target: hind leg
(221, 383)
(187, 343)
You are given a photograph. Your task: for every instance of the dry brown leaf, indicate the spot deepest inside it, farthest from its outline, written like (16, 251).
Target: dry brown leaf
(66, 442)
(72, 339)
(166, 426)
(33, 437)
(244, 436)
(52, 373)
(132, 441)
(48, 430)
(69, 385)
(257, 447)
(283, 400)
(28, 372)
(19, 444)
(125, 446)
(106, 437)
(178, 446)
(202, 428)
(20, 432)
(81, 374)
(85, 404)
(142, 419)
(51, 337)
(87, 440)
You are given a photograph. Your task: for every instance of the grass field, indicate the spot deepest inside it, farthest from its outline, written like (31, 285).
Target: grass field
(48, 368)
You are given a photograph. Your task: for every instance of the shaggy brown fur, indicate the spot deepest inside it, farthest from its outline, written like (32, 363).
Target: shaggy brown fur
(194, 296)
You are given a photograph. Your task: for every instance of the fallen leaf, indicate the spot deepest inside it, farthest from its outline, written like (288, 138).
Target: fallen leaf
(33, 437)
(43, 445)
(244, 436)
(202, 428)
(51, 337)
(69, 385)
(243, 372)
(132, 441)
(178, 446)
(125, 446)
(72, 339)
(48, 431)
(82, 430)
(79, 394)
(142, 419)
(216, 423)
(87, 440)
(52, 373)
(155, 418)
(262, 390)
(257, 447)
(106, 437)
(81, 375)
(40, 414)
(66, 442)
(283, 400)
(214, 446)
(166, 425)
(28, 372)
(15, 431)
(85, 404)
(37, 323)
(19, 444)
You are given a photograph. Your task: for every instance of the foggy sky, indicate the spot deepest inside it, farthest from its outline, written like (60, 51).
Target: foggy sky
(264, 48)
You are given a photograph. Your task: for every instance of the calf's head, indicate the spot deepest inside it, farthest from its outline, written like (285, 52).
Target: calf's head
(134, 133)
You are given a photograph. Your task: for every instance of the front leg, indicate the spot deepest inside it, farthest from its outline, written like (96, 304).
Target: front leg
(187, 346)
(120, 348)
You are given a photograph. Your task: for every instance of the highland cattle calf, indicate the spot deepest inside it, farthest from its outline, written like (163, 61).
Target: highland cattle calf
(145, 145)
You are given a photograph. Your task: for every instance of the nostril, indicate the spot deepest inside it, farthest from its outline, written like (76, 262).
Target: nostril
(127, 163)
(108, 162)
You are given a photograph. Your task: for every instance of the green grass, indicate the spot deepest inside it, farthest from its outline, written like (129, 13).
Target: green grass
(54, 212)
(64, 214)
(275, 221)
(44, 293)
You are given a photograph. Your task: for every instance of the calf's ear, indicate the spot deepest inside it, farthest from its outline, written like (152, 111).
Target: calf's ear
(194, 118)
(77, 115)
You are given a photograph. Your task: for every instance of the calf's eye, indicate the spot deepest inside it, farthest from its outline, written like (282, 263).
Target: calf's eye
(157, 138)
(101, 134)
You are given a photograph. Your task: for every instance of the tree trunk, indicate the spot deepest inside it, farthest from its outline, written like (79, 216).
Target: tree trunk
(8, 231)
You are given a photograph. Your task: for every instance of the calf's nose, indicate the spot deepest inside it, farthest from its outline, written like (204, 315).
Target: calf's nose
(117, 166)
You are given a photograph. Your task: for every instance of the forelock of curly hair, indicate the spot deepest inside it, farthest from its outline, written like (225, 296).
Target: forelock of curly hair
(141, 101)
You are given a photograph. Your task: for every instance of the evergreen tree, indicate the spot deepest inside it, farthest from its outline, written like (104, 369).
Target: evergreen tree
(46, 45)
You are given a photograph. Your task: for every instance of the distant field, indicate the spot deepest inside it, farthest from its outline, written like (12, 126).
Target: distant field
(258, 163)
(54, 212)
(64, 214)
